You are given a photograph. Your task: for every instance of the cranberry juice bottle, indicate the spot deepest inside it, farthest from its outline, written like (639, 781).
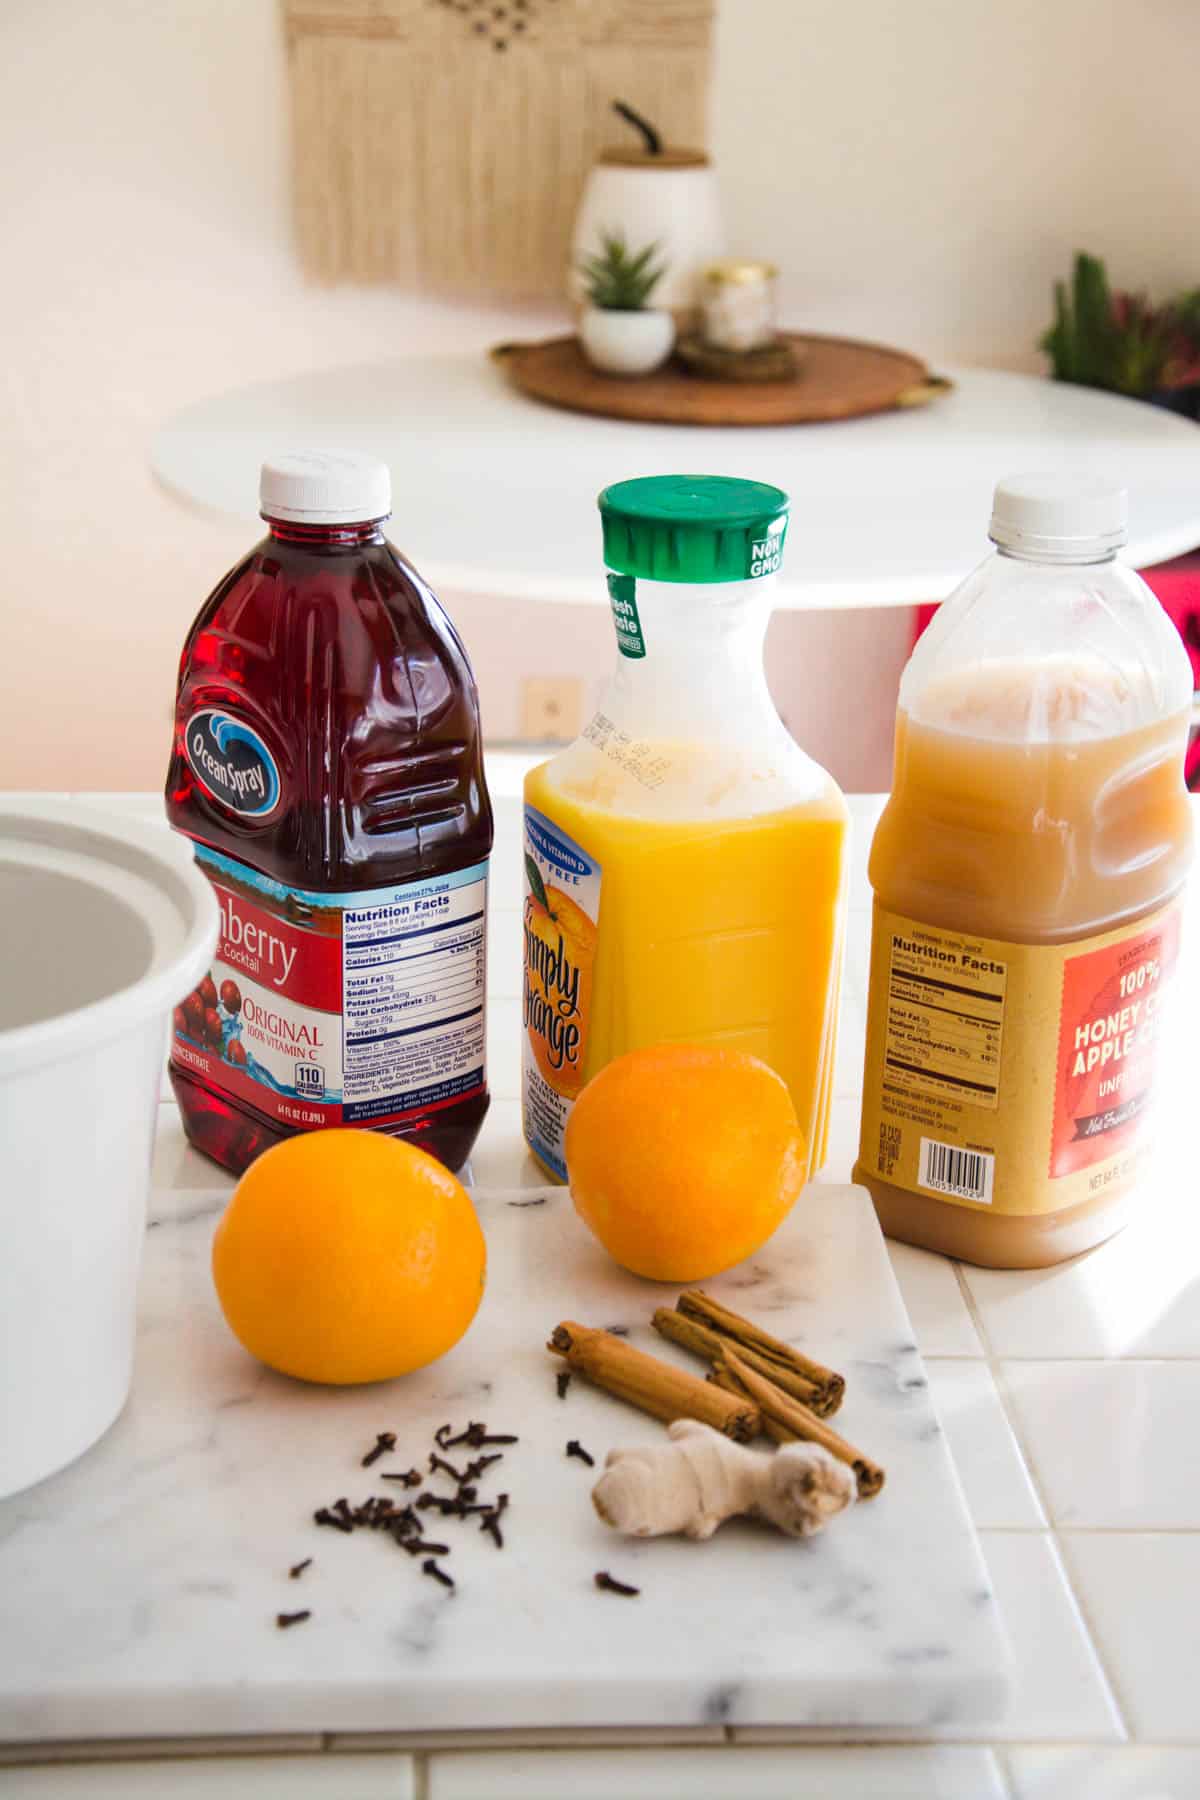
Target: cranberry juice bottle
(327, 764)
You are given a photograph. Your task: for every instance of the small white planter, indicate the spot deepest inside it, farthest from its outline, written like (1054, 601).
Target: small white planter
(626, 343)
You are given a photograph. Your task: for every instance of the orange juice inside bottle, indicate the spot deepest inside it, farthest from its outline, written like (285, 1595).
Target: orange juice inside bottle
(684, 860)
(1026, 871)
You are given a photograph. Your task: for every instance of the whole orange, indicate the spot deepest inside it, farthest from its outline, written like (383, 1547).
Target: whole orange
(348, 1256)
(683, 1158)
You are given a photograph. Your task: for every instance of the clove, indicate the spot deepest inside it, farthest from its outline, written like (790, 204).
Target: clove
(475, 1469)
(491, 1521)
(323, 1516)
(611, 1585)
(384, 1441)
(476, 1436)
(410, 1478)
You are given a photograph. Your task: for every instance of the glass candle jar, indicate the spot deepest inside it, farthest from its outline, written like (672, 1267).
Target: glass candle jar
(738, 301)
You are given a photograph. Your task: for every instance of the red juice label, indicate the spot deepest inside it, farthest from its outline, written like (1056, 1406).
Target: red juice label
(342, 1009)
(1112, 1002)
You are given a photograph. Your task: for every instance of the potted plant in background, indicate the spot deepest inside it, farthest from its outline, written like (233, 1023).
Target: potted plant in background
(653, 190)
(1116, 340)
(619, 332)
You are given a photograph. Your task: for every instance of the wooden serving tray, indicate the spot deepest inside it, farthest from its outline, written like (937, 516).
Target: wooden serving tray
(838, 378)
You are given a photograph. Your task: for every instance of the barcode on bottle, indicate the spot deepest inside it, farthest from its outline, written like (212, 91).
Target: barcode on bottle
(948, 1170)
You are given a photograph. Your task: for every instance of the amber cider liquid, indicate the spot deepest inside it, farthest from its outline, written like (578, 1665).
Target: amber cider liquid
(1017, 815)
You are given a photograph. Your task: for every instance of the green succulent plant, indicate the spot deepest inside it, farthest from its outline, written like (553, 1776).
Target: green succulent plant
(1108, 339)
(617, 279)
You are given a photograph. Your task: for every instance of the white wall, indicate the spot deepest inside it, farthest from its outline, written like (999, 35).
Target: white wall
(921, 171)
(931, 165)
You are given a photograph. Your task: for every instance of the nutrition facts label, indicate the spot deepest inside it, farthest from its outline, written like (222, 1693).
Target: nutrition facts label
(414, 973)
(945, 1018)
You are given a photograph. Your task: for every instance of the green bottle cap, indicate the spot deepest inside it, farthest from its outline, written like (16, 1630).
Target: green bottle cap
(699, 528)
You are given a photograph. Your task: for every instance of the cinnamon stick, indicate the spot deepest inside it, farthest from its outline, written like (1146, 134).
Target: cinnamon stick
(655, 1387)
(691, 1335)
(779, 1434)
(801, 1422)
(695, 1304)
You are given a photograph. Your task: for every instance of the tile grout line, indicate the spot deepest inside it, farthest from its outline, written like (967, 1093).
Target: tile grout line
(1008, 1779)
(995, 1369)
(1170, 1531)
(1119, 1362)
(973, 1312)
(1085, 1612)
(146, 1750)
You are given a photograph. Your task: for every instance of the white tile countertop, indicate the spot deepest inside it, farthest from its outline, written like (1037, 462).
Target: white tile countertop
(1068, 1397)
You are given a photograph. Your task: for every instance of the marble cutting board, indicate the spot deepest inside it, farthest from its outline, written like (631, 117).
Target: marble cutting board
(138, 1589)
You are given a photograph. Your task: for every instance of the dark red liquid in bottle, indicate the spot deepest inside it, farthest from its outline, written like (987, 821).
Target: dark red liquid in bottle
(328, 763)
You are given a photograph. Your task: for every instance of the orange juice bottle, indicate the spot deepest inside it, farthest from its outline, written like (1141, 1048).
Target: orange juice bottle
(685, 861)
(1027, 872)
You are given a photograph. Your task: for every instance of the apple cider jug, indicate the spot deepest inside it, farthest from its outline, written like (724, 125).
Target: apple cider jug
(1027, 873)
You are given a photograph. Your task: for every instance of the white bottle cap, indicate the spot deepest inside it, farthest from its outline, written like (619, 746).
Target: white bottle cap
(1059, 514)
(325, 487)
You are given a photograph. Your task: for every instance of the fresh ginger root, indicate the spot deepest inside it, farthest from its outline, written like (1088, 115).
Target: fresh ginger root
(701, 1478)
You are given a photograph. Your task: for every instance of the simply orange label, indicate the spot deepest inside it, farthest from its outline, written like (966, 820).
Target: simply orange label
(559, 921)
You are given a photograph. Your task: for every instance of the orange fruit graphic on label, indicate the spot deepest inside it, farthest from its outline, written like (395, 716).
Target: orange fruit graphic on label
(684, 1158)
(560, 949)
(348, 1256)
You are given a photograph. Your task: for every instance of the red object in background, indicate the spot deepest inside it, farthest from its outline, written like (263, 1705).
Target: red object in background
(363, 772)
(1177, 587)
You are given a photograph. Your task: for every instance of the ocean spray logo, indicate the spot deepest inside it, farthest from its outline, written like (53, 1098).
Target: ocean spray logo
(231, 762)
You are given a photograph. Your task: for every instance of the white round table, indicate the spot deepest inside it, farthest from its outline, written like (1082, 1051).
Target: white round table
(496, 494)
